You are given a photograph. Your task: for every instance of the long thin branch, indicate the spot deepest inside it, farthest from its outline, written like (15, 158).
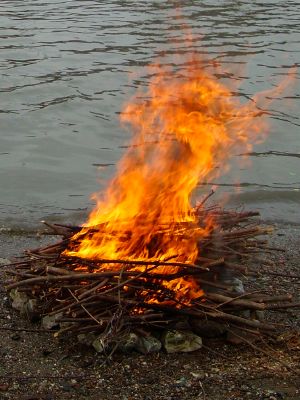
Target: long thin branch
(142, 262)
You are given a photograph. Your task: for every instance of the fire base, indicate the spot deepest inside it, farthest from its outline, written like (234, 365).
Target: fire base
(124, 308)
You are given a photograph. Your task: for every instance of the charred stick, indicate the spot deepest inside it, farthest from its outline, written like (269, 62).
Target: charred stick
(215, 314)
(225, 300)
(74, 228)
(126, 282)
(85, 301)
(56, 247)
(20, 274)
(138, 262)
(93, 289)
(95, 276)
(69, 286)
(74, 320)
(86, 328)
(269, 299)
(100, 322)
(45, 257)
(199, 206)
(70, 277)
(56, 270)
(147, 317)
(241, 321)
(62, 230)
(251, 331)
(17, 264)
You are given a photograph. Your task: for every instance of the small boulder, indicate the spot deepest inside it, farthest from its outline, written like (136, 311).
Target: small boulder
(128, 343)
(236, 284)
(99, 344)
(148, 344)
(181, 342)
(19, 300)
(32, 310)
(51, 321)
(4, 261)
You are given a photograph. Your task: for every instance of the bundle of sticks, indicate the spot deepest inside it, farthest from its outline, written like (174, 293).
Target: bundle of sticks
(84, 297)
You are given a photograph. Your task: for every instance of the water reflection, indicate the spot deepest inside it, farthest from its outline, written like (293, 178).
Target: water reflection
(67, 68)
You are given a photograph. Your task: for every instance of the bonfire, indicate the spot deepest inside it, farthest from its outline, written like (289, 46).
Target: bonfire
(148, 260)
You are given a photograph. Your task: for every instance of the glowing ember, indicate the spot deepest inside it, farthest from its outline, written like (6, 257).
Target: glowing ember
(188, 126)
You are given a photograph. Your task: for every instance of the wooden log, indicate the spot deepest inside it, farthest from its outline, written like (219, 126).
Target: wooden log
(51, 249)
(269, 299)
(56, 271)
(214, 314)
(225, 300)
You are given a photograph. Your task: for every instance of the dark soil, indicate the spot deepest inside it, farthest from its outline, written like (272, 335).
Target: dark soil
(36, 365)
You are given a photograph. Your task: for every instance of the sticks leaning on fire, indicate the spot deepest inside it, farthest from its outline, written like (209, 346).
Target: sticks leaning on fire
(110, 298)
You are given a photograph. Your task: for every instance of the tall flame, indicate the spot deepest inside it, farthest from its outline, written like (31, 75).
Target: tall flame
(184, 127)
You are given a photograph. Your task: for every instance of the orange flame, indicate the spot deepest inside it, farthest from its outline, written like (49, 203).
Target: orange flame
(185, 128)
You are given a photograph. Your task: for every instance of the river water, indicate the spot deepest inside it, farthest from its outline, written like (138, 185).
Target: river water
(68, 66)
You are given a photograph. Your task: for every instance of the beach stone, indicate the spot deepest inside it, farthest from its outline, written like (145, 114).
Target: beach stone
(148, 344)
(207, 329)
(142, 344)
(99, 344)
(4, 261)
(181, 342)
(31, 305)
(19, 300)
(50, 321)
(236, 284)
(32, 311)
(128, 343)
(25, 305)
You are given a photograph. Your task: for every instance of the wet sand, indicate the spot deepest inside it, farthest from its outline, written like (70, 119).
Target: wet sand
(35, 365)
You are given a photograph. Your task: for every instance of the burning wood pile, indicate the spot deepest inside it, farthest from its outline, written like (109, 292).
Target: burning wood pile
(147, 260)
(113, 298)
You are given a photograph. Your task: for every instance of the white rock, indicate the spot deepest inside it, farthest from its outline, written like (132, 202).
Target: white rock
(181, 342)
(50, 321)
(4, 261)
(99, 344)
(19, 300)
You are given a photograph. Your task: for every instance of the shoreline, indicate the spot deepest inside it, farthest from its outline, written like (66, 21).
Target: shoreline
(14, 240)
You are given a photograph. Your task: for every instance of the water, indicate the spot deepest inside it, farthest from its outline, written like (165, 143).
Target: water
(67, 67)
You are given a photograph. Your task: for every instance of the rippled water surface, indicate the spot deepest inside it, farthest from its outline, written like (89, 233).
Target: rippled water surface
(67, 67)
